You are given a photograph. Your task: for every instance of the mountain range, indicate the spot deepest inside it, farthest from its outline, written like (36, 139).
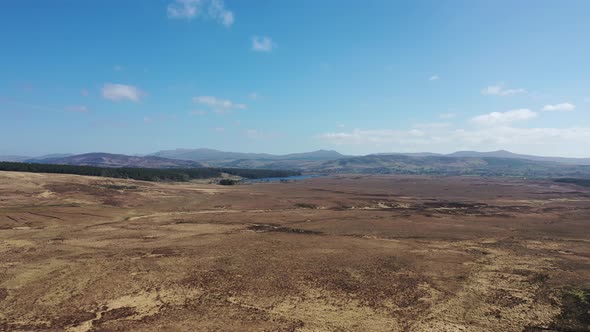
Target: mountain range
(115, 160)
(216, 155)
(462, 162)
(499, 154)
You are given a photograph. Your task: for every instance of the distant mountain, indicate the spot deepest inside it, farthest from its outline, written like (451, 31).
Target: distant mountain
(508, 154)
(446, 165)
(498, 154)
(48, 156)
(314, 155)
(17, 159)
(119, 160)
(499, 162)
(217, 156)
(207, 154)
(413, 154)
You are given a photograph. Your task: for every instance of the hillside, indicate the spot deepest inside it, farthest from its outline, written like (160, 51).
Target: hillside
(145, 174)
(510, 155)
(119, 160)
(217, 156)
(499, 154)
(443, 165)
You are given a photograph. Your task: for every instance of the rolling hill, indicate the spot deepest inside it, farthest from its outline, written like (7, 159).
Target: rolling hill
(445, 165)
(220, 156)
(118, 160)
(500, 154)
(494, 163)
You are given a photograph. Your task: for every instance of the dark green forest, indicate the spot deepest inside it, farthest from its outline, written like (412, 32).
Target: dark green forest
(145, 174)
(579, 182)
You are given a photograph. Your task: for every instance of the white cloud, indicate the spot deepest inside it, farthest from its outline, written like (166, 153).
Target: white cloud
(434, 78)
(212, 9)
(542, 141)
(118, 92)
(262, 44)
(498, 90)
(504, 118)
(77, 109)
(184, 8)
(563, 107)
(217, 11)
(432, 125)
(118, 68)
(219, 130)
(84, 93)
(253, 96)
(197, 112)
(220, 106)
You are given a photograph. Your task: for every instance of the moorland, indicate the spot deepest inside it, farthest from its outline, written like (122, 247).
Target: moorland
(336, 253)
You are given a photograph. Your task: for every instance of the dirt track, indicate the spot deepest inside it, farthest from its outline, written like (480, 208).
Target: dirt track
(356, 253)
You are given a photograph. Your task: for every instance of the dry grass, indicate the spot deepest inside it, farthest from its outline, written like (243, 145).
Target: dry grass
(363, 253)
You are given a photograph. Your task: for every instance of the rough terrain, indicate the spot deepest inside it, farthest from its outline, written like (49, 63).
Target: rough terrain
(347, 253)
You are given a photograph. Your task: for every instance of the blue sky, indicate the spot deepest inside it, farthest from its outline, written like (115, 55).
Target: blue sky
(290, 76)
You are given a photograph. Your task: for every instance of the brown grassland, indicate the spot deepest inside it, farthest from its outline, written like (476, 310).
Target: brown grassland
(346, 253)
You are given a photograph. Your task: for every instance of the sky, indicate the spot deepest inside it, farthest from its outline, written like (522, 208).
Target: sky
(359, 77)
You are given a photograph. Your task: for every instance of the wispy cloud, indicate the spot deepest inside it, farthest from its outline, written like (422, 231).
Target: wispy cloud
(211, 9)
(197, 112)
(432, 125)
(434, 78)
(219, 105)
(262, 44)
(256, 134)
(184, 9)
(563, 107)
(499, 90)
(447, 115)
(569, 141)
(11, 102)
(119, 92)
(217, 11)
(558, 141)
(84, 93)
(77, 109)
(254, 96)
(504, 118)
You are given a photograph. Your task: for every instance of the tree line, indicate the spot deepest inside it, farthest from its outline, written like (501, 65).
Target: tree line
(146, 174)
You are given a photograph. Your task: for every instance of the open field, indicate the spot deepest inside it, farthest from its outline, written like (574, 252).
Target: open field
(348, 253)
